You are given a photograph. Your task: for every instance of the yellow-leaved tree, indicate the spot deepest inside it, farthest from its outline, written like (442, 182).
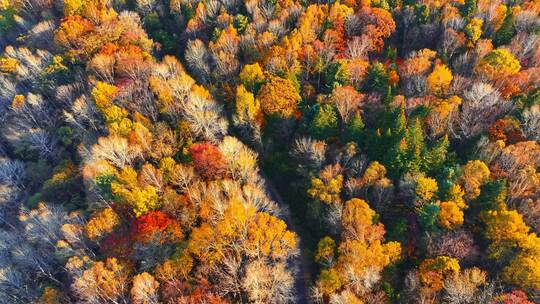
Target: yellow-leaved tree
(267, 236)
(450, 215)
(103, 94)
(252, 76)
(473, 175)
(279, 97)
(247, 108)
(242, 231)
(508, 233)
(439, 79)
(141, 198)
(327, 187)
(432, 272)
(361, 255)
(474, 29)
(524, 269)
(505, 229)
(498, 64)
(101, 223)
(425, 189)
(8, 65)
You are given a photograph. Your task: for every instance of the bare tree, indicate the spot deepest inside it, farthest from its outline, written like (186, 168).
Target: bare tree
(530, 209)
(114, 149)
(42, 34)
(144, 7)
(13, 288)
(205, 118)
(102, 282)
(524, 45)
(268, 284)
(102, 66)
(310, 155)
(197, 59)
(29, 124)
(12, 177)
(531, 123)
(31, 64)
(357, 47)
(83, 116)
(482, 105)
(241, 161)
(229, 276)
(526, 21)
(463, 287)
(457, 243)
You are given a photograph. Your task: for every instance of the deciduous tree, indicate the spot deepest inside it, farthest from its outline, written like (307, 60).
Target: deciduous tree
(145, 289)
(439, 80)
(208, 160)
(104, 281)
(101, 223)
(498, 64)
(473, 175)
(433, 272)
(327, 187)
(279, 97)
(450, 215)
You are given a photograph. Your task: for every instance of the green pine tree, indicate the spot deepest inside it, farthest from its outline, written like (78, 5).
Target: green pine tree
(492, 197)
(506, 31)
(416, 147)
(468, 8)
(437, 155)
(354, 129)
(324, 123)
(395, 157)
(377, 78)
(427, 217)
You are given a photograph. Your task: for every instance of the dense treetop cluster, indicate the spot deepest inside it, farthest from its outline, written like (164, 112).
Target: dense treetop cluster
(269, 151)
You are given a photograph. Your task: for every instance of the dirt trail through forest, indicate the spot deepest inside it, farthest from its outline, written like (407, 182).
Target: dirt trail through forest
(301, 262)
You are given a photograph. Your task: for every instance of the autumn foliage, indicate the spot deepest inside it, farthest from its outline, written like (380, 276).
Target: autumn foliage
(208, 160)
(284, 151)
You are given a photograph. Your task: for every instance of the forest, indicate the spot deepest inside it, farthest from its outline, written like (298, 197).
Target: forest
(269, 151)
